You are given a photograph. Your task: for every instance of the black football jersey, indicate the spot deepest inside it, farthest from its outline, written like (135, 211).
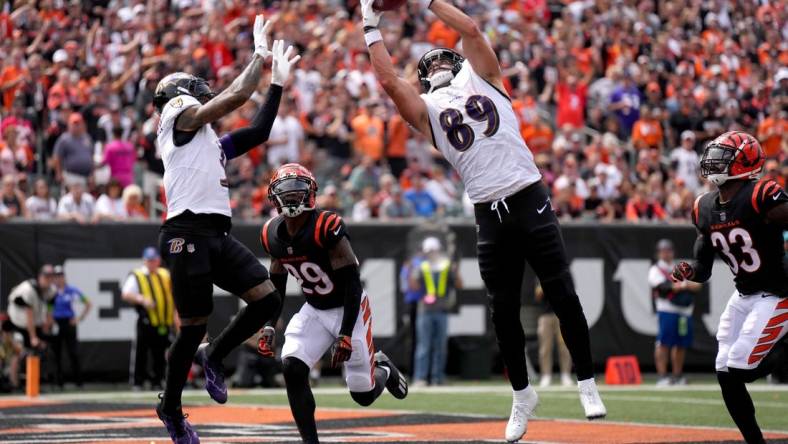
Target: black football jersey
(305, 256)
(739, 232)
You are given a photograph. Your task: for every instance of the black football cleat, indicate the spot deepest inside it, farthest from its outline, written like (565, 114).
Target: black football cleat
(396, 383)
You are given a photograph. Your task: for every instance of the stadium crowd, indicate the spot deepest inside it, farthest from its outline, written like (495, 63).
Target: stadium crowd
(615, 98)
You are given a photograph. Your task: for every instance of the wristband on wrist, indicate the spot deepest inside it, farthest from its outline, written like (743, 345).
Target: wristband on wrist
(373, 36)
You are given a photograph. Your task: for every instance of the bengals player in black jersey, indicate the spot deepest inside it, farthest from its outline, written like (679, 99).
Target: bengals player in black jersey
(312, 245)
(742, 222)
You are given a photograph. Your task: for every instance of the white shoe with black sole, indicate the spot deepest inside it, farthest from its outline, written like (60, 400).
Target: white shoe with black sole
(396, 383)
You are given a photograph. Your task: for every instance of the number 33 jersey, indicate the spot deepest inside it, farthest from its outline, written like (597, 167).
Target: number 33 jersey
(741, 236)
(305, 256)
(475, 128)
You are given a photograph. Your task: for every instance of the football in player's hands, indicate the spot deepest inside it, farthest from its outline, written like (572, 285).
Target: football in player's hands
(387, 5)
(682, 271)
(265, 346)
(341, 350)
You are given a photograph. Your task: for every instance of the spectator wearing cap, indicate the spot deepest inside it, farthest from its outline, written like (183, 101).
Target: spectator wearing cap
(40, 205)
(437, 279)
(76, 205)
(66, 319)
(28, 308)
(149, 289)
(674, 302)
(73, 154)
(685, 160)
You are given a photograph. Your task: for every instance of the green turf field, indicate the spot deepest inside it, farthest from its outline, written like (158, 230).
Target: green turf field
(697, 406)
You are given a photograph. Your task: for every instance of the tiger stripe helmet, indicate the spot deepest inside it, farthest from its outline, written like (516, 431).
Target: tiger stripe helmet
(292, 190)
(733, 155)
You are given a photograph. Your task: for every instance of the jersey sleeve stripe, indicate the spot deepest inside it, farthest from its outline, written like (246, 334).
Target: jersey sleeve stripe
(264, 236)
(755, 194)
(770, 188)
(696, 209)
(328, 223)
(317, 229)
(336, 223)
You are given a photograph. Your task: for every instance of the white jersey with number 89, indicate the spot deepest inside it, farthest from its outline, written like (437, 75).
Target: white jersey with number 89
(476, 130)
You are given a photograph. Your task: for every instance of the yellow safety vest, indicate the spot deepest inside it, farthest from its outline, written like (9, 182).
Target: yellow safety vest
(443, 278)
(157, 287)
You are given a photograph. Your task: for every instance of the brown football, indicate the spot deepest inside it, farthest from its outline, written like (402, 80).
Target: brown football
(387, 5)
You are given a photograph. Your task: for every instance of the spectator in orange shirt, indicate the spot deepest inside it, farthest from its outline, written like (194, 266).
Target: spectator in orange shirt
(538, 135)
(396, 149)
(11, 77)
(647, 132)
(773, 130)
(368, 129)
(640, 207)
(441, 35)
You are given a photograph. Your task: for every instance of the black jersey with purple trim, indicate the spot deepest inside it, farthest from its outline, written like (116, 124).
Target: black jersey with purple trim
(306, 255)
(742, 237)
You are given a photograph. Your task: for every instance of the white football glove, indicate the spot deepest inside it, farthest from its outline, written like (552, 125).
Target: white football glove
(282, 63)
(260, 34)
(369, 17)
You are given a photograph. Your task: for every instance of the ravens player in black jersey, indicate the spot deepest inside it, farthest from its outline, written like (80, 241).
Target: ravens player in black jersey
(312, 245)
(742, 222)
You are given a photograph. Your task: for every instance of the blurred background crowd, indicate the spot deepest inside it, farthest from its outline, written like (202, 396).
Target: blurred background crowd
(615, 98)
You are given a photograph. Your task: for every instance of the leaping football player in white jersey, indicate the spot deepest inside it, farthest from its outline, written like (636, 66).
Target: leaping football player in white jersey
(469, 117)
(195, 240)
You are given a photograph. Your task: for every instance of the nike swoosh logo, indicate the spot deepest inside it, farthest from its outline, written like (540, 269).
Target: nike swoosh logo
(541, 210)
(776, 196)
(336, 233)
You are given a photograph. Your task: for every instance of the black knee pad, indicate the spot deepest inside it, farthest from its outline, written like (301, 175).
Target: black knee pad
(295, 370)
(364, 399)
(265, 306)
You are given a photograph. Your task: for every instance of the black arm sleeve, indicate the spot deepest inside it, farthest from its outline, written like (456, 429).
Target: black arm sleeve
(704, 259)
(280, 283)
(350, 276)
(242, 140)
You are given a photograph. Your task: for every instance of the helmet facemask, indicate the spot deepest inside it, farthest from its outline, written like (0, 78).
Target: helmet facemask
(438, 67)
(715, 164)
(292, 195)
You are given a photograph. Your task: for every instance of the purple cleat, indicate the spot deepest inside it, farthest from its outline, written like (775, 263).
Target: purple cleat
(214, 375)
(178, 427)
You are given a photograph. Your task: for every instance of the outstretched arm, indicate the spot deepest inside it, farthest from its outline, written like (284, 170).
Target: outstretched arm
(409, 104)
(237, 93)
(242, 140)
(474, 45)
